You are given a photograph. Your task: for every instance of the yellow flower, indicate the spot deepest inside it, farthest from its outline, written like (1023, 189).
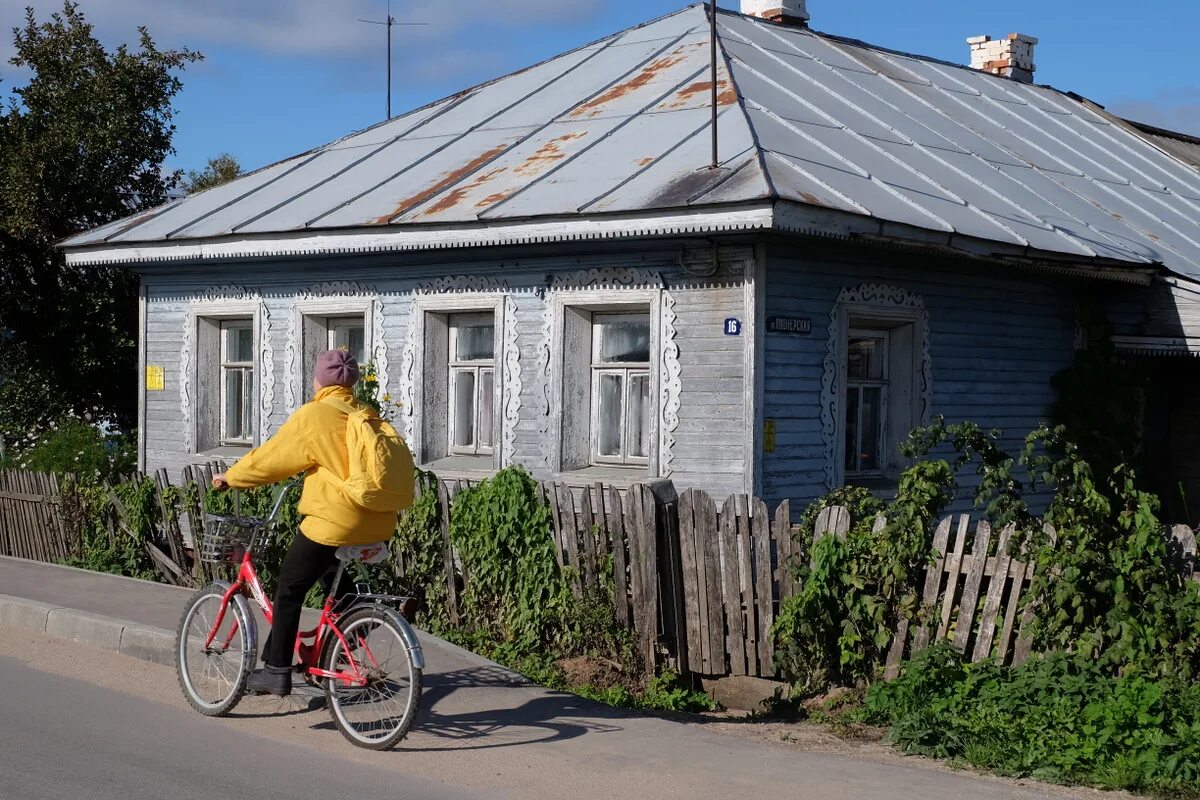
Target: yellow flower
(387, 398)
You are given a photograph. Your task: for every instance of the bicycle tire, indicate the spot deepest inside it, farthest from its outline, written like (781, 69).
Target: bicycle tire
(241, 659)
(341, 700)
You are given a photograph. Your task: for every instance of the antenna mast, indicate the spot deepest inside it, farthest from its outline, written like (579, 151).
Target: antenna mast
(712, 35)
(389, 23)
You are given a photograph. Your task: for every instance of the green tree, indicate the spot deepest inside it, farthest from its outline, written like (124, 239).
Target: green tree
(221, 169)
(81, 144)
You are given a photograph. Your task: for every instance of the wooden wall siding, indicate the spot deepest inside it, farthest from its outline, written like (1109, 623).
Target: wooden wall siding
(995, 342)
(712, 412)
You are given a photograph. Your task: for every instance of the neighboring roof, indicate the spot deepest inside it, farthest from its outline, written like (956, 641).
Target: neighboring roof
(1181, 145)
(620, 129)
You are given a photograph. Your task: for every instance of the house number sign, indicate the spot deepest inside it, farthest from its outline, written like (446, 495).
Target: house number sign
(733, 327)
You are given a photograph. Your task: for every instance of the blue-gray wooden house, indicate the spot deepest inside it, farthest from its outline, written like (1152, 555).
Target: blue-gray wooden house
(547, 270)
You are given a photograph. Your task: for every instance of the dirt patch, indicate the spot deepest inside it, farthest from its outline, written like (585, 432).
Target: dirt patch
(598, 672)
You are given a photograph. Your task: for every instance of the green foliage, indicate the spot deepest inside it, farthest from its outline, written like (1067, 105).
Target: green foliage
(1109, 587)
(87, 515)
(515, 592)
(76, 447)
(1060, 718)
(836, 629)
(220, 169)
(82, 143)
(664, 692)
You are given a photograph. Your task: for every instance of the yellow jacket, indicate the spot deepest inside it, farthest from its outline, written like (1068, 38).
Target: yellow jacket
(313, 441)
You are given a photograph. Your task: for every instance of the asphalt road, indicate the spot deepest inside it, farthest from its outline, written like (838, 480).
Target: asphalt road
(84, 724)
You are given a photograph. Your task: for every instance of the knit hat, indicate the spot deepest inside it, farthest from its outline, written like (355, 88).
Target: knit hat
(336, 368)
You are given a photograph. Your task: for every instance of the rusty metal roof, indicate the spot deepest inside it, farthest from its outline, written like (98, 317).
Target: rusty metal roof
(623, 125)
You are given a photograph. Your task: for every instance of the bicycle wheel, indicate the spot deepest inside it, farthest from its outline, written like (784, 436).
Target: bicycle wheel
(379, 714)
(213, 678)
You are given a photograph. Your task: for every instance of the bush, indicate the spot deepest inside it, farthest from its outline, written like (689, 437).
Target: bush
(75, 446)
(86, 514)
(1059, 718)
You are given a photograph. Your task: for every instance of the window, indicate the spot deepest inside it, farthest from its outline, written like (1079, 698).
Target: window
(866, 401)
(349, 334)
(237, 382)
(472, 382)
(620, 388)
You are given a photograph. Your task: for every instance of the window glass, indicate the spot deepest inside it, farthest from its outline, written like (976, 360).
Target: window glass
(239, 344)
(639, 403)
(624, 339)
(464, 408)
(865, 358)
(486, 389)
(476, 342)
(608, 419)
(868, 449)
(352, 339)
(852, 405)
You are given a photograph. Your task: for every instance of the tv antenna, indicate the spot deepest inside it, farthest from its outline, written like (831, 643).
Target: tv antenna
(389, 23)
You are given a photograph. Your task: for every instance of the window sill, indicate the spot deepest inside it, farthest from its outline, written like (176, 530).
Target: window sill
(468, 468)
(225, 452)
(618, 477)
(882, 487)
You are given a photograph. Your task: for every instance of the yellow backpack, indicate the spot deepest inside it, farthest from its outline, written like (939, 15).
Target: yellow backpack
(381, 466)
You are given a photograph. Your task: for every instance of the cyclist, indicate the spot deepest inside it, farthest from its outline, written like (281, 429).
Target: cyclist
(312, 441)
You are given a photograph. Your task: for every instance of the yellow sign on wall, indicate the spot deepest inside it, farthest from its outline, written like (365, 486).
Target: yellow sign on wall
(155, 379)
(769, 436)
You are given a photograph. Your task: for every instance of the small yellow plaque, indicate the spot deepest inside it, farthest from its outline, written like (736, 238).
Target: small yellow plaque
(769, 436)
(155, 379)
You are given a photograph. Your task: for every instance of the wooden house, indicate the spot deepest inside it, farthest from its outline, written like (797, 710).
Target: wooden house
(611, 266)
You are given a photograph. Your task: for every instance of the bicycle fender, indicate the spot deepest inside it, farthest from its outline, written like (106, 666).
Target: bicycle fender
(410, 642)
(244, 607)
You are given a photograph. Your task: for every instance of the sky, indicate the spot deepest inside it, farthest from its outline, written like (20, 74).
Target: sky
(283, 76)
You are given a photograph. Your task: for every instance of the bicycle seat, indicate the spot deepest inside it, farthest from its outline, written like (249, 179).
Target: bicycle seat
(366, 553)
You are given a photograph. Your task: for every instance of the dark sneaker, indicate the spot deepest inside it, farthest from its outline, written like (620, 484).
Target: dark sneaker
(270, 680)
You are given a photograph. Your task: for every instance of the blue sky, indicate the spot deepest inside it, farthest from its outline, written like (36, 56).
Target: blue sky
(282, 76)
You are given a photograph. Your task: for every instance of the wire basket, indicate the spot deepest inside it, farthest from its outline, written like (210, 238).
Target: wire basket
(226, 538)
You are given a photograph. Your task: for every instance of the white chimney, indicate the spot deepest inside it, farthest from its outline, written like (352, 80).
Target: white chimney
(1011, 56)
(789, 12)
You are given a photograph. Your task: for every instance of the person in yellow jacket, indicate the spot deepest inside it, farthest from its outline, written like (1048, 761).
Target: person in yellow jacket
(312, 441)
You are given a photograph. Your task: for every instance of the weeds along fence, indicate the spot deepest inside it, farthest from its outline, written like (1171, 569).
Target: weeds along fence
(699, 585)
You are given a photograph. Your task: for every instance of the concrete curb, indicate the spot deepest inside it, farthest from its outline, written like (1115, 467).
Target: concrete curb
(95, 630)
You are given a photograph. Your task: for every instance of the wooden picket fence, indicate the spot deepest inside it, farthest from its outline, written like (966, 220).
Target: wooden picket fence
(31, 524)
(699, 587)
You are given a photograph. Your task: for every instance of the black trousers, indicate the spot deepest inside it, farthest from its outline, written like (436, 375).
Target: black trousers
(306, 562)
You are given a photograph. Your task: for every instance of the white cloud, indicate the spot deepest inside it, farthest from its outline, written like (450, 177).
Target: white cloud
(317, 28)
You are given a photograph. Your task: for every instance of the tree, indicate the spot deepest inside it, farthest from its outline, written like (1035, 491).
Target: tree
(221, 169)
(82, 144)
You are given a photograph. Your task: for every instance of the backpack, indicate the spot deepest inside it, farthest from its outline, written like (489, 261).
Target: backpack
(381, 466)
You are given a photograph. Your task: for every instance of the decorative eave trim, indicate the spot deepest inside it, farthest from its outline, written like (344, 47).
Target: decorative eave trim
(305, 243)
(1157, 345)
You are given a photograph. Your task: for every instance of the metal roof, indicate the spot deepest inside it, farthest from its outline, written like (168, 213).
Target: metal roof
(623, 125)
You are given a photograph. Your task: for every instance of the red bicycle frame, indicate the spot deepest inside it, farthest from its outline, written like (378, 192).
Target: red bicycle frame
(247, 582)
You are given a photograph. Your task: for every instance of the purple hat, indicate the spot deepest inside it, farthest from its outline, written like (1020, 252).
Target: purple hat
(336, 368)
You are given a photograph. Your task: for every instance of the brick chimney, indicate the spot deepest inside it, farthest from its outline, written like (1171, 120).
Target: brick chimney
(789, 12)
(1011, 56)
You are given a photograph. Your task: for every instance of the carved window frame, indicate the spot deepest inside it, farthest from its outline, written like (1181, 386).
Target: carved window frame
(880, 303)
(664, 361)
(315, 303)
(224, 303)
(507, 388)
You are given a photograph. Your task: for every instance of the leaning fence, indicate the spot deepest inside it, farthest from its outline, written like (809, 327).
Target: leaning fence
(698, 585)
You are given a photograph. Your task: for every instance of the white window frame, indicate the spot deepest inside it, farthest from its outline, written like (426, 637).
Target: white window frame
(606, 300)
(452, 304)
(457, 367)
(227, 366)
(859, 384)
(627, 371)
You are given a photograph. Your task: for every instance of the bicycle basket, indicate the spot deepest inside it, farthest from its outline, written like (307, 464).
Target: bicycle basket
(226, 538)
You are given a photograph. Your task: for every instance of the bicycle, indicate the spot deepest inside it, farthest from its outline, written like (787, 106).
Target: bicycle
(363, 653)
